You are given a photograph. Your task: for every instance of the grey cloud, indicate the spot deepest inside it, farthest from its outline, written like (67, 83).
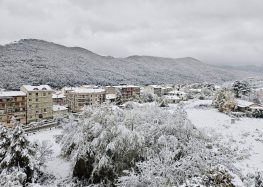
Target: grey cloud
(216, 32)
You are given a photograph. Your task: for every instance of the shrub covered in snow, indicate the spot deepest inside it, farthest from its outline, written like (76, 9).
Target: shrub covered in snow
(224, 100)
(147, 97)
(143, 146)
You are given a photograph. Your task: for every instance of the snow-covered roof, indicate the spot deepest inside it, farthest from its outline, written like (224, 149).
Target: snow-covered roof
(67, 88)
(258, 107)
(176, 92)
(195, 90)
(111, 96)
(58, 96)
(243, 103)
(87, 90)
(173, 97)
(37, 88)
(155, 86)
(12, 93)
(59, 108)
(89, 86)
(167, 87)
(126, 86)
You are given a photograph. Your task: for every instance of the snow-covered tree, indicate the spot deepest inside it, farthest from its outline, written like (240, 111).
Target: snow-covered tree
(119, 99)
(259, 180)
(18, 164)
(143, 146)
(100, 145)
(241, 88)
(176, 153)
(163, 102)
(224, 100)
(148, 97)
(4, 141)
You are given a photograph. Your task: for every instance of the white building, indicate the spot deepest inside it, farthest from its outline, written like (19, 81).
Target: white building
(172, 99)
(180, 94)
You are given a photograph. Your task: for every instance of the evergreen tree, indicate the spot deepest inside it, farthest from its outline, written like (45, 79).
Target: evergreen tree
(4, 141)
(241, 88)
(19, 159)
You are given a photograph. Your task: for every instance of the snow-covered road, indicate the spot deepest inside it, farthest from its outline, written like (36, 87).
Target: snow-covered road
(56, 165)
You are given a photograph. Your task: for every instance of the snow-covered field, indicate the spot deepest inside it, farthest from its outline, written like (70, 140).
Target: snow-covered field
(246, 133)
(56, 165)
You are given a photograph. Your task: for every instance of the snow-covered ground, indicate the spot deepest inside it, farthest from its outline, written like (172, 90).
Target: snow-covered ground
(246, 133)
(57, 166)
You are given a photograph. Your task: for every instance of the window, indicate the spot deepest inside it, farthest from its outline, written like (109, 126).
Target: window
(30, 99)
(30, 93)
(36, 94)
(44, 94)
(36, 100)
(45, 110)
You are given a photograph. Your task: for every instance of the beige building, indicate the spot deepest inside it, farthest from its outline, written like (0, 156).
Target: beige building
(12, 104)
(77, 98)
(39, 102)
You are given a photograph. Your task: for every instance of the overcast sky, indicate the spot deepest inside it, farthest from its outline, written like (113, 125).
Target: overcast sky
(214, 31)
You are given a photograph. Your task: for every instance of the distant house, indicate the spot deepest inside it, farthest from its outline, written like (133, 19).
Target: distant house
(167, 89)
(12, 104)
(58, 98)
(60, 111)
(244, 106)
(195, 91)
(180, 94)
(111, 97)
(172, 99)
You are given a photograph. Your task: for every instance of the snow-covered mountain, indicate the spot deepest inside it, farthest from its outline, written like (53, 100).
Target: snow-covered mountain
(30, 61)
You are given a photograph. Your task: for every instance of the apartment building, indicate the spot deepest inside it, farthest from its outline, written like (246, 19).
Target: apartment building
(12, 104)
(77, 98)
(127, 92)
(39, 102)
